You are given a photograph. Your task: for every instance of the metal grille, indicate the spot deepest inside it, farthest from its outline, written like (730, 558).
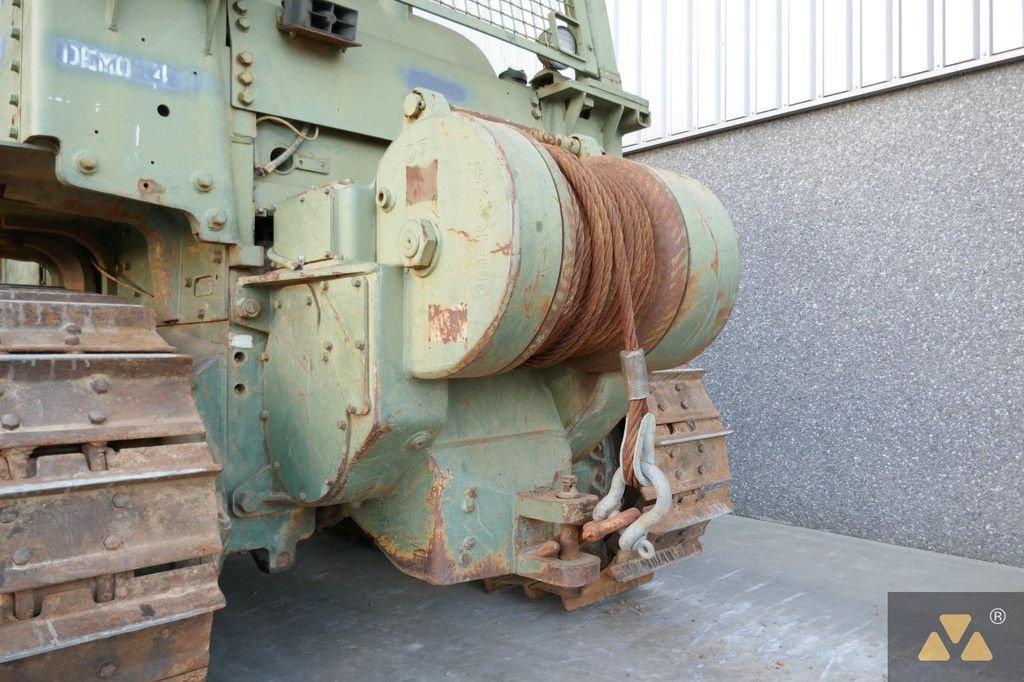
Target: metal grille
(526, 18)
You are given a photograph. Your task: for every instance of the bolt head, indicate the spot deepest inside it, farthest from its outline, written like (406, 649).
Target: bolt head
(216, 218)
(246, 78)
(413, 105)
(246, 98)
(120, 500)
(8, 514)
(243, 24)
(86, 162)
(97, 417)
(245, 58)
(385, 199)
(112, 542)
(107, 670)
(249, 501)
(22, 556)
(240, 6)
(10, 421)
(418, 244)
(249, 308)
(203, 182)
(100, 385)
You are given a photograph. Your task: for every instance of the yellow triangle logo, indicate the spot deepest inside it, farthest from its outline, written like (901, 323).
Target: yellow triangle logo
(933, 649)
(955, 625)
(976, 649)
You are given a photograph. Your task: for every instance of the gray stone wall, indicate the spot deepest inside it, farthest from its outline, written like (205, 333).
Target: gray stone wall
(873, 366)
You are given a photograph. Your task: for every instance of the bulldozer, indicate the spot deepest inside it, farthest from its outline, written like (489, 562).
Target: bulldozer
(268, 267)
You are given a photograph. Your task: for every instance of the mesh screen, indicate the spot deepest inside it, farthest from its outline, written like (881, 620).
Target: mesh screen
(526, 18)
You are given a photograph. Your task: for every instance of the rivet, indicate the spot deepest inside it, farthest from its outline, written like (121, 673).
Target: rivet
(309, 300)
(72, 341)
(202, 181)
(328, 345)
(16, 65)
(22, 556)
(8, 514)
(469, 543)
(87, 162)
(246, 97)
(700, 468)
(120, 500)
(216, 218)
(325, 357)
(245, 58)
(14, 99)
(97, 417)
(264, 415)
(357, 283)
(107, 670)
(16, 32)
(112, 542)
(360, 345)
(342, 425)
(10, 421)
(100, 385)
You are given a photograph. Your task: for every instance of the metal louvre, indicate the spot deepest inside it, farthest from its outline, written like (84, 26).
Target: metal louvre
(706, 65)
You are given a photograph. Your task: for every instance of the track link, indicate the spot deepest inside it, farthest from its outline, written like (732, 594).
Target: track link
(109, 528)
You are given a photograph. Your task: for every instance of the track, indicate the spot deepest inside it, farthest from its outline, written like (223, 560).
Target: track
(109, 528)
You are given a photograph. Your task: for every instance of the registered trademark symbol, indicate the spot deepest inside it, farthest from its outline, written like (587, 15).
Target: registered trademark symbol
(997, 616)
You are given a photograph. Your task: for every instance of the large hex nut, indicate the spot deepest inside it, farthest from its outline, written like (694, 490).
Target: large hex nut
(418, 244)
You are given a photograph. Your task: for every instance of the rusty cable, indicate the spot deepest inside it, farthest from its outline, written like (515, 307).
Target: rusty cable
(612, 280)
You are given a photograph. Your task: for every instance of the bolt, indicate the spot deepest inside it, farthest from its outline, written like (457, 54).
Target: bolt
(16, 32)
(14, 99)
(13, 132)
(243, 24)
(202, 181)
(328, 345)
(357, 282)
(245, 58)
(413, 105)
(120, 500)
(22, 556)
(410, 241)
(246, 98)
(100, 385)
(309, 300)
(97, 417)
(8, 514)
(107, 670)
(385, 199)
(249, 502)
(326, 357)
(112, 542)
(87, 162)
(16, 65)
(73, 329)
(700, 468)
(360, 345)
(469, 543)
(248, 308)
(246, 78)
(72, 341)
(10, 421)
(342, 425)
(568, 490)
(264, 357)
(216, 218)
(240, 6)
(264, 415)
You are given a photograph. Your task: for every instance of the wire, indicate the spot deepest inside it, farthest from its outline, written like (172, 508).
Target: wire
(120, 282)
(286, 124)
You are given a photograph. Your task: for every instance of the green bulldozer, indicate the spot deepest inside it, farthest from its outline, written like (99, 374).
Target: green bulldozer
(268, 267)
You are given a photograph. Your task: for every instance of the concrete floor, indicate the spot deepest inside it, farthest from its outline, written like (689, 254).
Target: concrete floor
(765, 602)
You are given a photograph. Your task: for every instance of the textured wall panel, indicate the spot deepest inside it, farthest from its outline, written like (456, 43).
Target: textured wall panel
(874, 366)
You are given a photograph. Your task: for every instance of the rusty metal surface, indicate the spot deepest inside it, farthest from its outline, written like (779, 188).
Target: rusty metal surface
(108, 505)
(76, 325)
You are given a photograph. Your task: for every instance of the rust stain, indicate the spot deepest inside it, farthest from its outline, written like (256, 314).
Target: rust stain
(149, 188)
(421, 183)
(464, 234)
(504, 249)
(447, 324)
